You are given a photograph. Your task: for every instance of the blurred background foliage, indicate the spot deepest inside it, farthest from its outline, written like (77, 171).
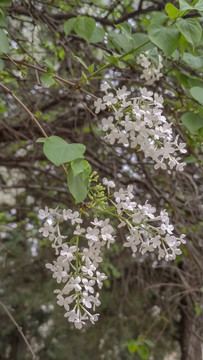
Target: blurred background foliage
(150, 309)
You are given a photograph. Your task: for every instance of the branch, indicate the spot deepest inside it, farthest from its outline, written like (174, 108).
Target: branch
(20, 330)
(56, 77)
(32, 116)
(103, 21)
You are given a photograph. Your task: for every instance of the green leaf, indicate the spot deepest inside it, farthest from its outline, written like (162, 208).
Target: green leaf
(143, 352)
(197, 94)
(194, 82)
(80, 61)
(41, 140)
(199, 6)
(97, 35)
(149, 343)
(3, 21)
(91, 69)
(68, 25)
(83, 79)
(78, 185)
(191, 29)
(139, 39)
(195, 62)
(47, 80)
(80, 165)
(5, 2)
(49, 64)
(158, 17)
(59, 151)
(172, 11)
(121, 41)
(183, 44)
(184, 6)
(192, 121)
(126, 29)
(198, 308)
(165, 38)
(113, 60)
(4, 44)
(1, 65)
(132, 346)
(153, 55)
(84, 27)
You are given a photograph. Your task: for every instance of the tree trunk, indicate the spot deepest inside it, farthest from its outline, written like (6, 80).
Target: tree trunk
(191, 347)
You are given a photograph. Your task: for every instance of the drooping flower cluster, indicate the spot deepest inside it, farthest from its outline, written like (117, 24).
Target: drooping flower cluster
(139, 123)
(145, 232)
(77, 266)
(78, 259)
(150, 72)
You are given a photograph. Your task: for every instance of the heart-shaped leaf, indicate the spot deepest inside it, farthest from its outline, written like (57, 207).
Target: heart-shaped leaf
(164, 37)
(78, 184)
(191, 29)
(192, 122)
(4, 44)
(59, 151)
(197, 93)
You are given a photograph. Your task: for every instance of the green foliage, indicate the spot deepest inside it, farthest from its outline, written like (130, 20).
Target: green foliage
(195, 62)
(47, 80)
(120, 41)
(198, 308)
(190, 29)
(68, 25)
(184, 6)
(153, 55)
(172, 11)
(59, 151)
(86, 28)
(197, 93)
(97, 35)
(192, 121)
(4, 44)
(166, 38)
(80, 166)
(49, 64)
(80, 61)
(139, 346)
(78, 179)
(1, 65)
(199, 6)
(5, 2)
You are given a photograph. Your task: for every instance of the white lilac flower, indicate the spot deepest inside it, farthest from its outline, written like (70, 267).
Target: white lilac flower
(139, 122)
(92, 234)
(44, 213)
(76, 268)
(110, 184)
(104, 87)
(47, 230)
(150, 73)
(99, 105)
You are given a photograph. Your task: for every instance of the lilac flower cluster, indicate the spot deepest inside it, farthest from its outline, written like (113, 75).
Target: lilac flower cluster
(139, 123)
(150, 72)
(145, 232)
(77, 266)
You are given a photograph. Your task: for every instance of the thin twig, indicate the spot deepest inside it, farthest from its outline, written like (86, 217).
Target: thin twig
(56, 77)
(20, 330)
(32, 116)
